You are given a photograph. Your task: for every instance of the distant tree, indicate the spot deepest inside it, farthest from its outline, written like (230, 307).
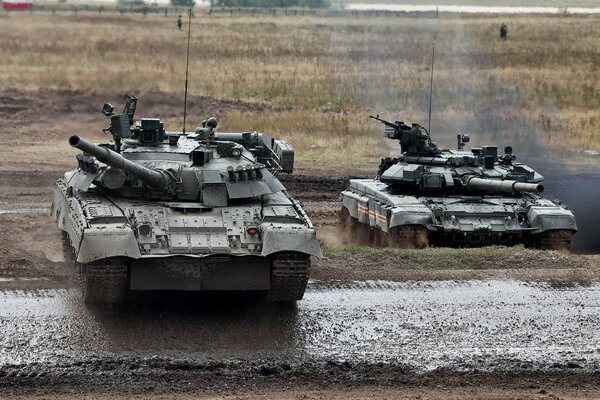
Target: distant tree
(274, 3)
(127, 3)
(183, 3)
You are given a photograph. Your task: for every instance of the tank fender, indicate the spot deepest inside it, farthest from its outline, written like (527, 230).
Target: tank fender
(73, 223)
(413, 214)
(352, 201)
(288, 237)
(109, 240)
(58, 207)
(548, 218)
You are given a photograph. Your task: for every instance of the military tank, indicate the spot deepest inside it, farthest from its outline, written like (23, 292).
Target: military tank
(155, 210)
(461, 198)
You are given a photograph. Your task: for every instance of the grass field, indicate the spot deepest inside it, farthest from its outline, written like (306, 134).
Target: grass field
(489, 3)
(538, 91)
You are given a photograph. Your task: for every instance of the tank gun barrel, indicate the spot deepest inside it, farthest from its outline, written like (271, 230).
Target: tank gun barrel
(505, 186)
(153, 178)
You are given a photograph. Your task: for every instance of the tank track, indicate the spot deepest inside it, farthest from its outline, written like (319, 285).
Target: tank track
(289, 277)
(558, 239)
(105, 281)
(102, 282)
(417, 237)
(404, 237)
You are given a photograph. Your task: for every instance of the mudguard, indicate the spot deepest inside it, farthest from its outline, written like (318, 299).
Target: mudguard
(110, 240)
(279, 237)
(411, 214)
(545, 219)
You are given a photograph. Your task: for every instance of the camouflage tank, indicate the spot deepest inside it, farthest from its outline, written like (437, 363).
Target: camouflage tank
(452, 198)
(157, 210)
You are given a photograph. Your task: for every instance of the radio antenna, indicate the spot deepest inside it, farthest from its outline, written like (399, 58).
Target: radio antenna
(187, 64)
(430, 89)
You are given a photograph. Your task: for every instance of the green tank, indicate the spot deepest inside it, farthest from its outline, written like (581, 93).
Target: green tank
(463, 198)
(155, 210)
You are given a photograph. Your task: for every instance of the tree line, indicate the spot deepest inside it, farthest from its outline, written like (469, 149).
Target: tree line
(259, 3)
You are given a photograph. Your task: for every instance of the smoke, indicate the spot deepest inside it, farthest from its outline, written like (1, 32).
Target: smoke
(499, 118)
(334, 236)
(471, 94)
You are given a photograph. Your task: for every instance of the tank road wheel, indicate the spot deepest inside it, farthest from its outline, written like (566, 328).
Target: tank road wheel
(289, 277)
(351, 230)
(408, 237)
(105, 281)
(379, 238)
(361, 233)
(556, 239)
(345, 225)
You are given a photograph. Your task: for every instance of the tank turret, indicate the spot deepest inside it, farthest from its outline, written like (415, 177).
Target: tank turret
(154, 178)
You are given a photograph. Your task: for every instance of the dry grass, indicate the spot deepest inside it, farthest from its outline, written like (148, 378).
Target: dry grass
(538, 90)
(488, 3)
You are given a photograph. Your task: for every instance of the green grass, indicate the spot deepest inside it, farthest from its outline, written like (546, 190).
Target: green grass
(414, 254)
(489, 3)
(445, 258)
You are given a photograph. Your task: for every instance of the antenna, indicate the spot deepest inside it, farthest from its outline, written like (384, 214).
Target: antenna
(187, 64)
(430, 89)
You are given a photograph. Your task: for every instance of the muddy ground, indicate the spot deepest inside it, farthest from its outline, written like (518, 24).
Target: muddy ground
(435, 323)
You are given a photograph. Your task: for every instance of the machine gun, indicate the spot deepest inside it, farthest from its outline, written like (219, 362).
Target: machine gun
(397, 126)
(413, 139)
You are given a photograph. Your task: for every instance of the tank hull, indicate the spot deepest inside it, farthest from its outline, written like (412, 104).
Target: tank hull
(454, 220)
(123, 244)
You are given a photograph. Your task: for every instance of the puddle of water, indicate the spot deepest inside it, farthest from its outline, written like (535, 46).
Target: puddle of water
(44, 210)
(22, 279)
(425, 325)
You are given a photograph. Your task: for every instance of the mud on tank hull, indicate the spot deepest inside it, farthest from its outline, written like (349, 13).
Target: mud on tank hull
(374, 215)
(120, 245)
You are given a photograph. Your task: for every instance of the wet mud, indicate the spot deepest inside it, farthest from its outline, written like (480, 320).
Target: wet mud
(360, 332)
